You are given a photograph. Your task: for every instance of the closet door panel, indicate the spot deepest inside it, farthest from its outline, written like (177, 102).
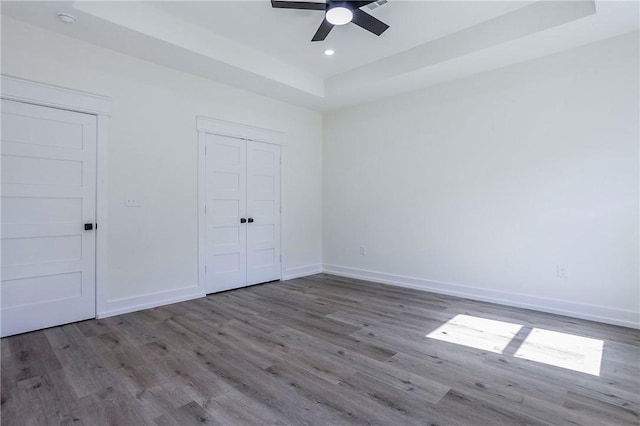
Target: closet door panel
(263, 206)
(226, 262)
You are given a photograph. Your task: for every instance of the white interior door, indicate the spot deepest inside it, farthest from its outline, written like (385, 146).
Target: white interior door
(263, 210)
(226, 204)
(48, 194)
(242, 212)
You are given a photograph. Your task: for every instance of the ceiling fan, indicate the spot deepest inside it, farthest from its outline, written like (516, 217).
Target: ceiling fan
(337, 13)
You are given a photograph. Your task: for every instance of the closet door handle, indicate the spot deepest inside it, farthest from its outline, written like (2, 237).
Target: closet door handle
(243, 220)
(250, 220)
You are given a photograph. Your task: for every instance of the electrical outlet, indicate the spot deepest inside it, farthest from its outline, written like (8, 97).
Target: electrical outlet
(363, 250)
(562, 271)
(132, 202)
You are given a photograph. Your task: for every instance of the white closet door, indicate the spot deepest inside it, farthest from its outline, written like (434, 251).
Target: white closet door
(226, 242)
(263, 210)
(48, 194)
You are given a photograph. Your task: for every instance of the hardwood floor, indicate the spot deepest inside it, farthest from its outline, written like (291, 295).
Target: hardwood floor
(320, 350)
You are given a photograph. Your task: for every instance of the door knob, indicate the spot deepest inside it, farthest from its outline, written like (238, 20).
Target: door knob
(243, 220)
(250, 220)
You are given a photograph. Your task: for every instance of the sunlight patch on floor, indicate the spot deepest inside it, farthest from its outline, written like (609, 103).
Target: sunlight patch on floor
(480, 333)
(563, 350)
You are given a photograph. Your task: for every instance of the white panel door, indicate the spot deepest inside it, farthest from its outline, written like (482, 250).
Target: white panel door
(48, 194)
(263, 211)
(226, 241)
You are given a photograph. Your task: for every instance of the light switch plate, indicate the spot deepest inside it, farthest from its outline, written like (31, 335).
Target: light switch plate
(132, 202)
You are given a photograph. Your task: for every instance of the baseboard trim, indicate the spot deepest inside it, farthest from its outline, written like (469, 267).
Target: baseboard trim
(302, 271)
(554, 306)
(147, 301)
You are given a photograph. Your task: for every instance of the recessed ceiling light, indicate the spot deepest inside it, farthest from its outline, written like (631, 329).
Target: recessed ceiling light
(329, 52)
(66, 18)
(339, 15)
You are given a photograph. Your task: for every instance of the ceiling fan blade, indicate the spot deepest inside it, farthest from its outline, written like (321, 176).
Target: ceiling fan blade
(368, 22)
(323, 30)
(298, 5)
(359, 4)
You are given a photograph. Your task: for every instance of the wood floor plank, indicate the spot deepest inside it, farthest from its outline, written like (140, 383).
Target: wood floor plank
(28, 355)
(84, 369)
(135, 326)
(94, 327)
(585, 408)
(473, 411)
(235, 408)
(319, 350)
(9, 408)
(50, 399)
(408, 407)
(112, 406)
(188, 414)
(487, 380)
(324, 330)
(267, 388)
(192, 377)
(160, 399)
(352, 408)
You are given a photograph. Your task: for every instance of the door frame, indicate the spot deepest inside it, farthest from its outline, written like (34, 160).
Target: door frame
(206, 125)
(47, 95)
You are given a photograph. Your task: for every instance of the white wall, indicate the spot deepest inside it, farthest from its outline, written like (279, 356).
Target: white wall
(481, 187)
(478, 187)
(152, 155)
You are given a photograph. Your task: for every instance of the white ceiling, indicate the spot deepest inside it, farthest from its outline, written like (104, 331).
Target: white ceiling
(250, 45)
(286, 34)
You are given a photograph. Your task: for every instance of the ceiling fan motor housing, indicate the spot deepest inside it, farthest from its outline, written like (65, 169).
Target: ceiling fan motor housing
(337, 13)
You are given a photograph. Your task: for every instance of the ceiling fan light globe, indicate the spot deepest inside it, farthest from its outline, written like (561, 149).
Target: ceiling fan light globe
(339, 15)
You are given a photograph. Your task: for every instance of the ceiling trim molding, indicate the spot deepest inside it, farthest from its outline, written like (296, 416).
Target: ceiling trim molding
(150, 33)
(532, 19)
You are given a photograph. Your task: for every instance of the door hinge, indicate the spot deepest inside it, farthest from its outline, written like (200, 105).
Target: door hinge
(205, 209)
(205, 150)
